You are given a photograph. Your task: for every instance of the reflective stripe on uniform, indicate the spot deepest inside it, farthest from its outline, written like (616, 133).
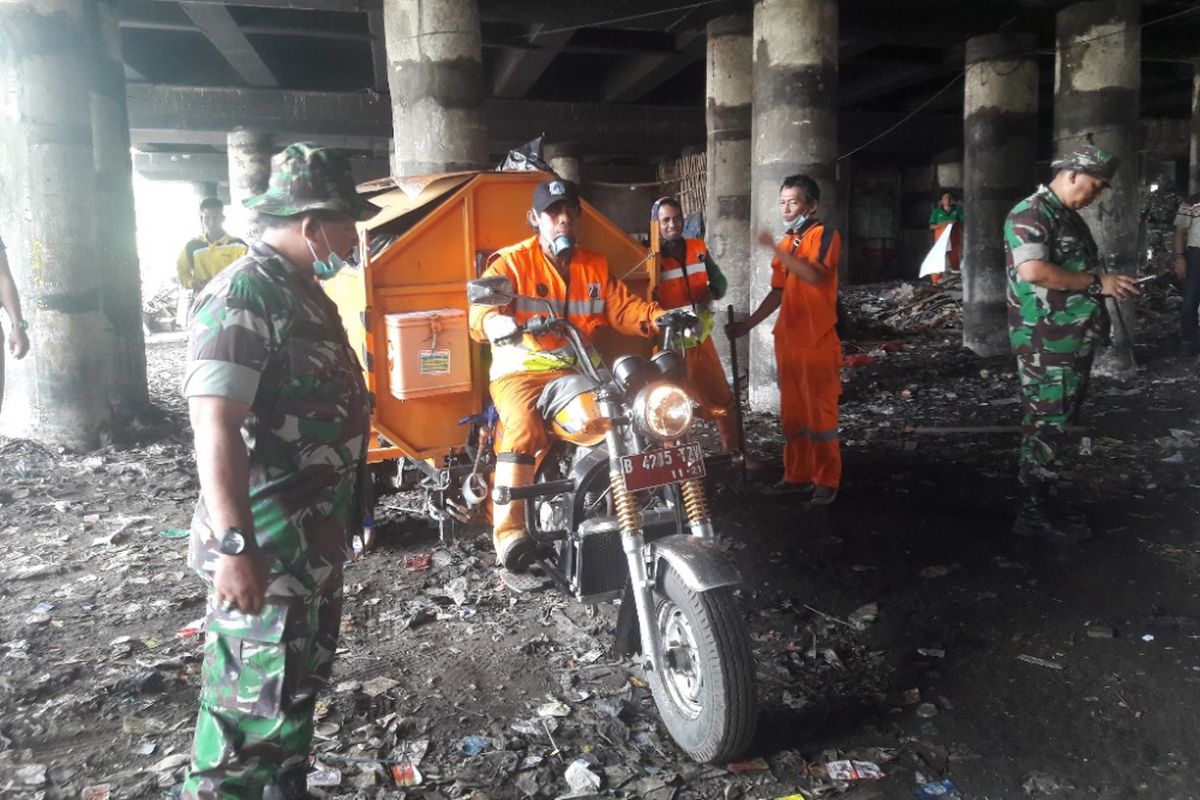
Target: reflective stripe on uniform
(539, 305)
(536, 305)
(582, 308)
(816, 436)
(678, 272)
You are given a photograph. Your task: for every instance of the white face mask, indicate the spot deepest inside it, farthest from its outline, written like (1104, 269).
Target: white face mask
(794, 224)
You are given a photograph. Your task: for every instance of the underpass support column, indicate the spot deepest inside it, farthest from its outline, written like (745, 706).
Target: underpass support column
(730, 89)
(1096, 101)
(793, 130)
(249, 174)
(999, 158)
(58, 394)
(121, 292)
(435, 71)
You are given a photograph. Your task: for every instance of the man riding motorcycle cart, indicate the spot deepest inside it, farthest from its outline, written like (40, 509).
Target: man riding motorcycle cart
(548, 271)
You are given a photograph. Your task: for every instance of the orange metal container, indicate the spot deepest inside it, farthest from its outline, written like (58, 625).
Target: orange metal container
(431, 236)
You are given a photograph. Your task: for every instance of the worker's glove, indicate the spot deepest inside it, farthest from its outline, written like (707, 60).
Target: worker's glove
(501, 329)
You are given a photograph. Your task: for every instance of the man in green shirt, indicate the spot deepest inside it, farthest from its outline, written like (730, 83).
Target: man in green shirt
(947, 212)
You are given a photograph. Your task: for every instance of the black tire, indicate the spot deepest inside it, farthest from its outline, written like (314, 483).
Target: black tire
(713, 718)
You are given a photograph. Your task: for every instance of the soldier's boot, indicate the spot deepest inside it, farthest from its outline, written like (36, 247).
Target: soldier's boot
(516, 550)
(1042, 517)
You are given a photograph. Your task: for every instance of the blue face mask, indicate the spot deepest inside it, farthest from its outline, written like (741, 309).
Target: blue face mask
(562, 244)
(795, 224)
(326, 268)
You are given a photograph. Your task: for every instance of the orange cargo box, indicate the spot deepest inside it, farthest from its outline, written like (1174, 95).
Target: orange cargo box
(433, 234)
(428, 353)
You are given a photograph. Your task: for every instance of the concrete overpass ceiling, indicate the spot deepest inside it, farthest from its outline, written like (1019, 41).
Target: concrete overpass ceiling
(894, 54)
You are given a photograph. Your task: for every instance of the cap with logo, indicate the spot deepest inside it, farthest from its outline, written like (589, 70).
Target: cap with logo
(1090, 160)
(308, 177)
(554, 191)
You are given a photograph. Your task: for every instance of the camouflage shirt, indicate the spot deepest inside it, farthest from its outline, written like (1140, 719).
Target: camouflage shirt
(264, 333)
(1160, 206)
(1043, 320)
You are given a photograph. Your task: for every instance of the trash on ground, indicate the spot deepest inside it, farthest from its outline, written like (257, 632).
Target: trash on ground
(853, 771)
(1039, 662)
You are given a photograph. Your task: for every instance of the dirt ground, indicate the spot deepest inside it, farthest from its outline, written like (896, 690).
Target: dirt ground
(1009, 667)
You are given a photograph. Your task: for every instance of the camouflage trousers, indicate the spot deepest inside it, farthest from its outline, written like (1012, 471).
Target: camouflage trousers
(1053, 387)
(259, 684)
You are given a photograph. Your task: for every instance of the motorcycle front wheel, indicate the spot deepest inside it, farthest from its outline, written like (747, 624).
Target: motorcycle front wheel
(705, 692)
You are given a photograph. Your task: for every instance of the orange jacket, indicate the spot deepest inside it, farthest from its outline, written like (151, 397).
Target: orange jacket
(681, 285)
(589, 299)
(808, 311)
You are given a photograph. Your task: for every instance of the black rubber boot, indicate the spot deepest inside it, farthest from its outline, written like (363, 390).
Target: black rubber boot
(1041, 516)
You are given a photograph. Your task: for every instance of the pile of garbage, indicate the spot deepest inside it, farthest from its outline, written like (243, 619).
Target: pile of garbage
(159, 308)
(905, 307)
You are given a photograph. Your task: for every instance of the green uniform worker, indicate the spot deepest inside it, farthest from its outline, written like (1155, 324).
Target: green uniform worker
(1056, 316)
(1158, 223)
(281, 424)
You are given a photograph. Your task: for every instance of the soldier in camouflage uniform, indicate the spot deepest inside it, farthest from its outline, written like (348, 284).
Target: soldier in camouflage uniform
(1056, 316)
(281, 423)
(1158, 223)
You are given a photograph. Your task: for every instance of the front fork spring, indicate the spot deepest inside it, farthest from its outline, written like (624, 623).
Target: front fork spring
(694, 502)
(627, 513)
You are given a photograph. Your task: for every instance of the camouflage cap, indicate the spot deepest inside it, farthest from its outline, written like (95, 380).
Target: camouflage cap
(307, 177)
(1090, 160)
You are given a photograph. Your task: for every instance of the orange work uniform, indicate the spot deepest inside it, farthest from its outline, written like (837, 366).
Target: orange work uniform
(685, 285)
(589, 298)
(808, 356)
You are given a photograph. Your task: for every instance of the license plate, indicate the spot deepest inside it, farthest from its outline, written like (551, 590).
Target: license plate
(661, 467)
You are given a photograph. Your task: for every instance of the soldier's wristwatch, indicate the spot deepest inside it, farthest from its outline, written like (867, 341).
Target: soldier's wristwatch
(21, 325)
(234, 542)
(1095, 288)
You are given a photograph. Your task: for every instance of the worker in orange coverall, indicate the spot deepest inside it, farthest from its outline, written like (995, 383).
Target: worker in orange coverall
(808, 353)
(689, 278)
(547, 266)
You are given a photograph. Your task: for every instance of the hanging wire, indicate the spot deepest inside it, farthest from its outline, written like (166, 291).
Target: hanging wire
(1007, 57)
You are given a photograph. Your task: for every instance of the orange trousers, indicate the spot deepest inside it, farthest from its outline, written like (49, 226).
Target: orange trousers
(519, 439)
(710, 390)
(810, 382)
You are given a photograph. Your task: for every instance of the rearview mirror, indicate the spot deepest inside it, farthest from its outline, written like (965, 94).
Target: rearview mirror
(494, 291)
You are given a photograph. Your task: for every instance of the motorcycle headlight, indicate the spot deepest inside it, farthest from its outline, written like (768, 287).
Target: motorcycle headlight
(663, 410)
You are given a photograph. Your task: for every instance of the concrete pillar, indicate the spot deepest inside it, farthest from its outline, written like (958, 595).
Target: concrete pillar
(794, 130)
(730, 89)
(1000, 125)
(58, 393)
(563, 158)
(249, 173)
(1096, 84)
(116, 245)
(435, 71)
(1194, 150)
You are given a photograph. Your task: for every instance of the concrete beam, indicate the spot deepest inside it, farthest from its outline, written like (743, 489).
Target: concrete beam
(519, 68)
(216, 23)
(192, 167)
(183, 114)
(351, 6)
(639, 76)
(898, 76)
(361, 121)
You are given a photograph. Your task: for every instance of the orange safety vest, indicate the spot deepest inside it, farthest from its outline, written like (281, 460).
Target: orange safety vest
(680, 284)
(589, 298)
